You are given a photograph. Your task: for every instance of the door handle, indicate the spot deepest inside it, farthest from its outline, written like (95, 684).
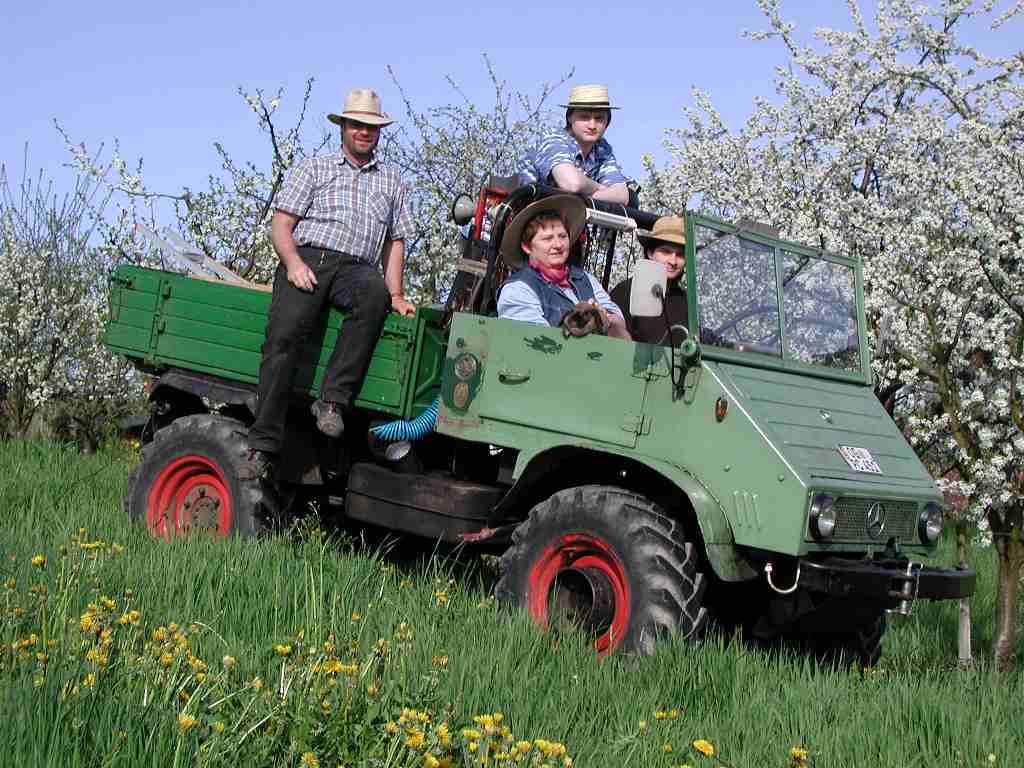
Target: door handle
(506, 376)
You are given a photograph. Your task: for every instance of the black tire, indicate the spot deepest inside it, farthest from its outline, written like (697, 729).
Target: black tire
(862, 645)
(190, 477)
(609, 562)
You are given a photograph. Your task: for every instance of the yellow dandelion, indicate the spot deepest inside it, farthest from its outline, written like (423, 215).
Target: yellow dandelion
(257, 683)
(217, 726)
(705, 747)
(642, 726)
(228, 662)
(159, 635)
(309, 760)
(89, 680)
(356, 615)
(371, 690)
(470, 734)
(667, 749)
(429, 761)
(282, 649)
(416, 739)
(440, 660)
(441, 597)
(391, 727)
(166, 660)
(186, 722)
(473, 746)
(39, 561)
(798, 753)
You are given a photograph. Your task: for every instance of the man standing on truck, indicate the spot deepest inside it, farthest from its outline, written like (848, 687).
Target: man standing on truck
(578, 159)
(336, 217)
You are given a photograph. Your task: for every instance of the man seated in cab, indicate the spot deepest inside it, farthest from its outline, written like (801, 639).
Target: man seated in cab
(545, 289)
(578, 159)
(665, 245)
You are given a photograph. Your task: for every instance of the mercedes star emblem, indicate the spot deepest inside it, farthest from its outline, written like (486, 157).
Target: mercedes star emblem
(875, 520)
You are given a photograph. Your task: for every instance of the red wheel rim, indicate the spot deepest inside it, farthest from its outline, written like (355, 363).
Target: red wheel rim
(580, 555)
(189, 494)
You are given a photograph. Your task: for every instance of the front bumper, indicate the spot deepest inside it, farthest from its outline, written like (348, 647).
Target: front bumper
(894, 583)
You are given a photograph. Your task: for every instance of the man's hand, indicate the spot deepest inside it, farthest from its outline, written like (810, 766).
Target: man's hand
(402, 307)
(301, 276)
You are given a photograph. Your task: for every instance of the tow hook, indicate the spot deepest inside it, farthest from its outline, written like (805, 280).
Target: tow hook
(768, 574)
(907, 593)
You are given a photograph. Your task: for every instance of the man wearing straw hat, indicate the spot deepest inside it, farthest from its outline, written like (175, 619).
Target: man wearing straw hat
(336, 218)
(578, 159)
(664, 244)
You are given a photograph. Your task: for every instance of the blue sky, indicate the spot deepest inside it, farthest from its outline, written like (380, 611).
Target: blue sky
(162, 77)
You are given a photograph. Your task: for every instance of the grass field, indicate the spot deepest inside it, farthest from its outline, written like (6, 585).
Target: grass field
(307, 649)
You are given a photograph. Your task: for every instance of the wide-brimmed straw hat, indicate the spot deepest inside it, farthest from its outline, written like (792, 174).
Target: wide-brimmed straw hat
(589, 97)
(363, 106)
(667, 229)
(572, 210)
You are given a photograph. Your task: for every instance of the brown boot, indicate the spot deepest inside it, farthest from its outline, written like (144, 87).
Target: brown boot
(328, 417)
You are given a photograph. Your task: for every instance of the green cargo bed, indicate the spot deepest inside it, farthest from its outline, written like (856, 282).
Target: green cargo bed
(164, 320)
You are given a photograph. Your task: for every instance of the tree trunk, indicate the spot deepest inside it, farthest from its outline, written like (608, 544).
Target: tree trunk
(964, 633)
(1010, 548)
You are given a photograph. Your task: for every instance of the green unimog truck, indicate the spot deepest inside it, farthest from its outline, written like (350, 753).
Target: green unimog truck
(749, 475)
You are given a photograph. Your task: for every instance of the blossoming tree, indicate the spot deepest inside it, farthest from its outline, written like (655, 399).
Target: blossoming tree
(52, 307)
(902, 144)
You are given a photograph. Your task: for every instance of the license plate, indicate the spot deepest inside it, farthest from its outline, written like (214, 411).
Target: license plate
(860, 459)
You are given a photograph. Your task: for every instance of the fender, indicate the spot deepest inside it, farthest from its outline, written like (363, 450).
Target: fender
(541, 472)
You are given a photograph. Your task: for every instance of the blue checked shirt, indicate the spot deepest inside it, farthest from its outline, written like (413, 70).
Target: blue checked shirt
(561, 147)
(344, 207)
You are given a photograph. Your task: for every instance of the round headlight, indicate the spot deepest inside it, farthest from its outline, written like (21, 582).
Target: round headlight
(466, 366)
(929, 526)
(823, 516)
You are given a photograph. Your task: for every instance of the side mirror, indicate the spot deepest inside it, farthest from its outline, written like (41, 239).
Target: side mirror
(648, 289)
(463, 209)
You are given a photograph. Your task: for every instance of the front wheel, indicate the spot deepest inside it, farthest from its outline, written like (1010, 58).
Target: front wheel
(608, 562)
(190, 478)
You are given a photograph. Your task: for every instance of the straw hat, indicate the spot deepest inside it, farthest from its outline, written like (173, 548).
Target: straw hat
(588, 97)
(667, 229)
(363, 106)
(573, 212)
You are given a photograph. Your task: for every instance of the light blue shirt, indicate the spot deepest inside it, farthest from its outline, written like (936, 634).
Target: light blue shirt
(561, 148)
(517, 301)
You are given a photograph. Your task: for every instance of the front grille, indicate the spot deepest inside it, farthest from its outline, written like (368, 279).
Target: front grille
(852, 520)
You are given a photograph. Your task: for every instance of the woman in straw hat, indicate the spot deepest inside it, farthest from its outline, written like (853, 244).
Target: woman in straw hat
(337, 218)
(578, 159)
(664, 244)
(545, 287)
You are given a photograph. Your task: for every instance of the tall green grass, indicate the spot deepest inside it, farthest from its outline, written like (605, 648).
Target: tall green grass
(426, 636)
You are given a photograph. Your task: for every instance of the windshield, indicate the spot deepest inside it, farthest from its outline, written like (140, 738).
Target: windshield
(739, 283)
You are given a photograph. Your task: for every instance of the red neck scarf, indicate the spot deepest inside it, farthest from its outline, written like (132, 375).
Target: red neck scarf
(555, 275)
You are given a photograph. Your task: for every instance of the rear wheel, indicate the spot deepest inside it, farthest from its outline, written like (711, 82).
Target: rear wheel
(608, 562)
(190, 479)
(861, 645)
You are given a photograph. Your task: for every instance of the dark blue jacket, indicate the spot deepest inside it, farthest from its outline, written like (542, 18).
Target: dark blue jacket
(554, 303)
